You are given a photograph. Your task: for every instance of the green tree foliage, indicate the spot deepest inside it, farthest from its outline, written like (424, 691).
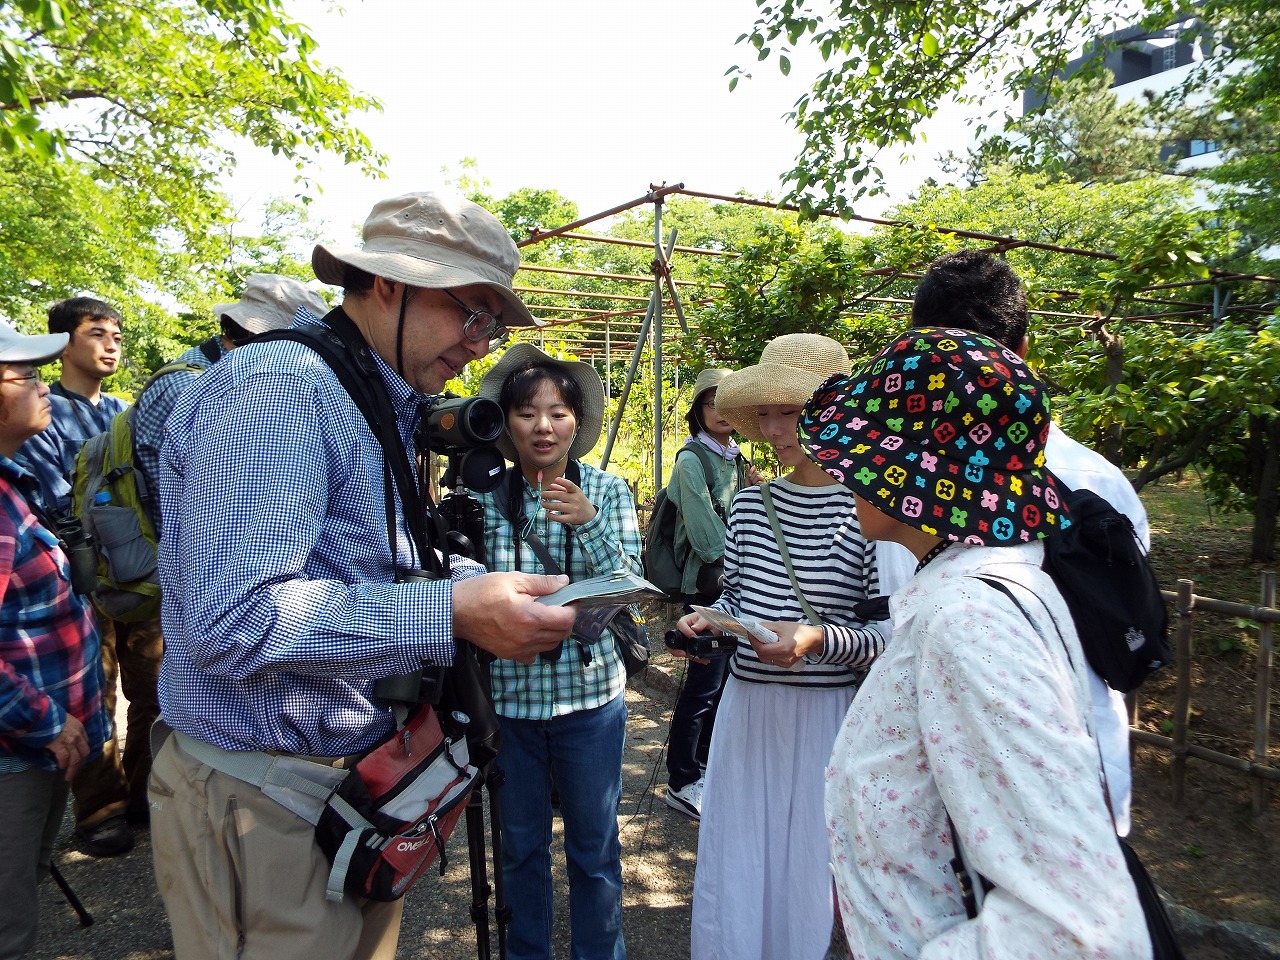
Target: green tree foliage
(1083, 135)
(891, 65)
(117, 121)
(1205, 399)
(149, 92)
(1153, 392)
(1244, 121)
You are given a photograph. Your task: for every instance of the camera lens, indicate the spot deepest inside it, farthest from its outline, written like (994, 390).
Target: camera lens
(482, 420)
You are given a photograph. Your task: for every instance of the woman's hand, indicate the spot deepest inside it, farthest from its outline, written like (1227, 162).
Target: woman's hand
(754, 476)
(795, 640)
(565, 502)
(690, 624)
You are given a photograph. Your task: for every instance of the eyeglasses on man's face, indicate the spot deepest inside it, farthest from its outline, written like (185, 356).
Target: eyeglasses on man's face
(33, 377)
(481, 326)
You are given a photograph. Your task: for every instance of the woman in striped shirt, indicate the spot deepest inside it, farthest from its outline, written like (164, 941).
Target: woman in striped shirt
(762, 888)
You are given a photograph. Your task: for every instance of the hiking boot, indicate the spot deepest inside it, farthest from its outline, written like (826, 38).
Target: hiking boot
(688, 799)
(110, 838)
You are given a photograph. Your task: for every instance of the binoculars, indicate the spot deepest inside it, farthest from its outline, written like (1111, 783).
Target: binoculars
(465, 429)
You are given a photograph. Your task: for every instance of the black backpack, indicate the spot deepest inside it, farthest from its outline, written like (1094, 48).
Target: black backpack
(1104, 576)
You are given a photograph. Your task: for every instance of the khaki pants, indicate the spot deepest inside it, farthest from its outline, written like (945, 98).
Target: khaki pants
(115, 783)
(242, 877)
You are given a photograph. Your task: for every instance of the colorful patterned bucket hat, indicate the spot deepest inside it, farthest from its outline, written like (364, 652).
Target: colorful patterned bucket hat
(945, 431)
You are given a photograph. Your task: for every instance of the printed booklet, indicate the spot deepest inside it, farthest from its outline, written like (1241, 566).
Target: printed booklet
(621, 586)
(740, 626)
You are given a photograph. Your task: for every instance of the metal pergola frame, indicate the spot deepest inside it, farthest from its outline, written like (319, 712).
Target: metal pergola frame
(632, 327)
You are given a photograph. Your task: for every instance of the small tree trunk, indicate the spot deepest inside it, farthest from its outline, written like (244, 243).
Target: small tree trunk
(1267, 491)
(1111, 438)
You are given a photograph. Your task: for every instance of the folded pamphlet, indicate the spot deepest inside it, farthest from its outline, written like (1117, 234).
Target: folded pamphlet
(621, 586)
(740, 626)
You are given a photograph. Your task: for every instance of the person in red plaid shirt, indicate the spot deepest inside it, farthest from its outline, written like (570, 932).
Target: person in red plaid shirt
(51, 716)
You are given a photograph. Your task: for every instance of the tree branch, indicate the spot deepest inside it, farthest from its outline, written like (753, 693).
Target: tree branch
(1150, 472)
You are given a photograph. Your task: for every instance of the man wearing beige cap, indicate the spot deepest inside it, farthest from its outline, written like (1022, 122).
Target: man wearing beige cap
(286, 587)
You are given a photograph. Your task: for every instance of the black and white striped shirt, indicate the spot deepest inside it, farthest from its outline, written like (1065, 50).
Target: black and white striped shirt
(833, 564)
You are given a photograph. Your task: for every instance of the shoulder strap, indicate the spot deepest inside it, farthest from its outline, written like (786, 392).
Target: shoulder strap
(509, 500)
(343, 348)
(708, 472)
(809, 612)
(1085, 707)
(969, 894)
(177, 366)
(211, 349)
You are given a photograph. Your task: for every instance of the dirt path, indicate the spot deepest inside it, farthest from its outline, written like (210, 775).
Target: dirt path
(659, 847)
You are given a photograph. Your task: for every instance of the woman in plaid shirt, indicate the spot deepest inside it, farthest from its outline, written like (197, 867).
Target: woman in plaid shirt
(563, 716)
(51, 718)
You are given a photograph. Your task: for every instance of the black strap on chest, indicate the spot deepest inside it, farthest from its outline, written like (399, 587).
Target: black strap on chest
(344, 349)
(212, 349)
(510, 502)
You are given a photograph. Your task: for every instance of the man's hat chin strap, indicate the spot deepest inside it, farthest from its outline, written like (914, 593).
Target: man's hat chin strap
(404, 299)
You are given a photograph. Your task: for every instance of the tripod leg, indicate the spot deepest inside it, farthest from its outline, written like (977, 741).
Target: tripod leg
(480, 889)
(501, 912)
(86, 920)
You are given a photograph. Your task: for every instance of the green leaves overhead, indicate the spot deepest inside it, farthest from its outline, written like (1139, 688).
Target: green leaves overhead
(892, 63)
(118, 121)
(151, 95)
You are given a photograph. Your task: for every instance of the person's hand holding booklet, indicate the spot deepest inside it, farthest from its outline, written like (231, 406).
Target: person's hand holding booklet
(740, 626)
(609, 589)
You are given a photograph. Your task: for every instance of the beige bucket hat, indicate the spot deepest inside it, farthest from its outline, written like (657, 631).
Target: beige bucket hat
(791, 367)
(520, 356)
(436, 241)
(270, 302)
(709, 379)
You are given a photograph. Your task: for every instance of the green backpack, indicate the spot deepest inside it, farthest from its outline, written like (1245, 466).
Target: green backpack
(110, 496)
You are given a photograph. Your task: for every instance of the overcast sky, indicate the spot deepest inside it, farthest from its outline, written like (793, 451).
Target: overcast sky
(596, 100)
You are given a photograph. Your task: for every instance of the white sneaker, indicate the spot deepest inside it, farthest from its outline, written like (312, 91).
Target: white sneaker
(688, 799)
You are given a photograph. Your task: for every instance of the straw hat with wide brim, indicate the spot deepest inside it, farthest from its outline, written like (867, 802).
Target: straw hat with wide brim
(435, 241)
(521, 356)
(790, 369)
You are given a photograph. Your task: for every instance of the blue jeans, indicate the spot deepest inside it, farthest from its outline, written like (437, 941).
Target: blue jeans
(694, 714)
(583, 751)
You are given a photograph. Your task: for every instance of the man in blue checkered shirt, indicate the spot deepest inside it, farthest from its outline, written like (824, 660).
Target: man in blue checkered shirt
(281, 609)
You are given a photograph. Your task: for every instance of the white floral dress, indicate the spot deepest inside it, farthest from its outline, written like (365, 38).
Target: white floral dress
(975, 705)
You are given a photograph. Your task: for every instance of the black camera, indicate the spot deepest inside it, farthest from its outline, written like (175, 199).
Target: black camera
(704, 645)
(81, 558)
(465, 429)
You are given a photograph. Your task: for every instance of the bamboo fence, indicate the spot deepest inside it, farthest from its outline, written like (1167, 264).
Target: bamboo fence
(1266, 616)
